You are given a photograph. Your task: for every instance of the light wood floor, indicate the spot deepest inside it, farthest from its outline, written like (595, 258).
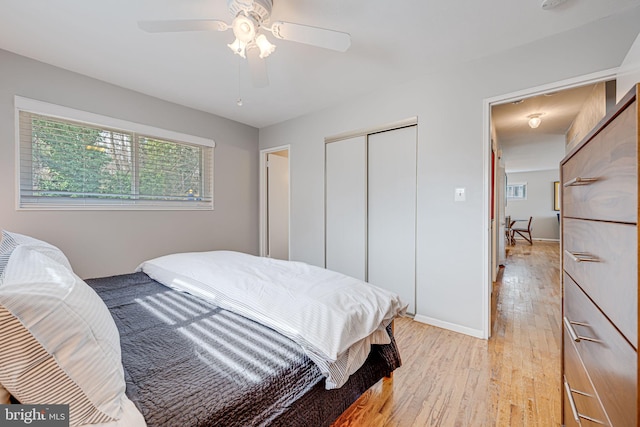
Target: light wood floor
(450, 379)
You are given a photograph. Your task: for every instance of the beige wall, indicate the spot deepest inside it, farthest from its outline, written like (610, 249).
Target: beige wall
(593, 110)
(100, 243)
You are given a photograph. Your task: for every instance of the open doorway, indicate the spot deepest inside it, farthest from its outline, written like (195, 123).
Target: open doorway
(533, 134)
(545, 102)
(274, 202)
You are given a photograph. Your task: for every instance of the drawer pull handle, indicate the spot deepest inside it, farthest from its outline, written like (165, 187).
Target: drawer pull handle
(574, 409)
(582, 256)
(579, 181)
(573, 334)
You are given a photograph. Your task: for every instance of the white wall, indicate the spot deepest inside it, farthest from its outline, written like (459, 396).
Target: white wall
(538, 204)
(452, 238)
(629, 72)
(537, 164)
(100, 243)
(533, 156)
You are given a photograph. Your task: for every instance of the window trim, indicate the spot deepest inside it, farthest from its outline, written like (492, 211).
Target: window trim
(66, 113)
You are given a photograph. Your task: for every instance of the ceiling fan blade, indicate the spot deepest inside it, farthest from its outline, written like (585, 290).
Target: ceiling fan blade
(173, 26)
(258, 68)
(314, 36)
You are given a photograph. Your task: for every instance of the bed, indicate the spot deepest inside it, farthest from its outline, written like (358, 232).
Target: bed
(181, 355)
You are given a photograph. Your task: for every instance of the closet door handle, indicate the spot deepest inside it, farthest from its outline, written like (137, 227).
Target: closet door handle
(582, 256)
(572, 331)
(574, 409)
(579, 181)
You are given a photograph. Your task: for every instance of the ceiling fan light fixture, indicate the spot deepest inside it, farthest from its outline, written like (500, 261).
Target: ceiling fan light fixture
(251, 20)
(534, 120)
(244, 28)
(238, 47)
(265, 46)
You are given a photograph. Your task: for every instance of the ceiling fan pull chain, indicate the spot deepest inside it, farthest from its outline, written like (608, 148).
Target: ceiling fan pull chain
(239, 101)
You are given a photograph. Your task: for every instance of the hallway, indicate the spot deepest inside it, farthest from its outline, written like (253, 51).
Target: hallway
(526, 336)
(450, 379)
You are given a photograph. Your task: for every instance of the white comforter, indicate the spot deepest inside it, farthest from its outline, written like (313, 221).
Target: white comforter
(335, 318)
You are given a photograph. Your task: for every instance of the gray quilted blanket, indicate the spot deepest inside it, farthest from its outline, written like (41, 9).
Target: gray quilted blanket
(190, 363)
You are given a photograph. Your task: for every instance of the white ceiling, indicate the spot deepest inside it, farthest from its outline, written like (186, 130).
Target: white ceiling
(557, 111)
(392, 41)
(542, 148)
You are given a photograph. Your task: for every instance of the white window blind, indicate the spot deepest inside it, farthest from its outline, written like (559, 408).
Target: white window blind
(71, 164)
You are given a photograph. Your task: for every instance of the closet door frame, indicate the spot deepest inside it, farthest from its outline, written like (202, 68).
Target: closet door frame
(411, 121)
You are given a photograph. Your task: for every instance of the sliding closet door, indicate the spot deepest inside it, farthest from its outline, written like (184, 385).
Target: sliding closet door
(392, 212)
(346, 206)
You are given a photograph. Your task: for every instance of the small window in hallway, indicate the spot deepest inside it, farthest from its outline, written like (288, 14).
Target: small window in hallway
(517, 191)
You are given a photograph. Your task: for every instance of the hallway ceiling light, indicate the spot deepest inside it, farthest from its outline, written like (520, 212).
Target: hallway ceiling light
(534, 120)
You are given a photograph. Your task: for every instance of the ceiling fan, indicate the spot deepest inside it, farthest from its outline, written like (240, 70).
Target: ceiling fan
(251, 19)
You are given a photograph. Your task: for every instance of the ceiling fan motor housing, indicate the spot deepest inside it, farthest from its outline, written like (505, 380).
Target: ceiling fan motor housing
(259, 9)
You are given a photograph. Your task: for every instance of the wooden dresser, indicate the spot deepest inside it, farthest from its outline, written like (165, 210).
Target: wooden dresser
(600, 272)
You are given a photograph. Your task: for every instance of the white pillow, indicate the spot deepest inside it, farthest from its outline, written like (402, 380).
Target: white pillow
(10, 241)
(131, 417)
(63, 345)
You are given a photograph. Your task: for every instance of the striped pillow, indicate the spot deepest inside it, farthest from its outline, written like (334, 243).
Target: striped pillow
(12, 240)
(5, 397)
(60, 343)
(7, 245)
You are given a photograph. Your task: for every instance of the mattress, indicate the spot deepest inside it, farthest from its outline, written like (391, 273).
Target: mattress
(188, 362)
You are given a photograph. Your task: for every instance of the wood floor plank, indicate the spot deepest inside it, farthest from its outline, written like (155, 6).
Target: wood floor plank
(450, 379)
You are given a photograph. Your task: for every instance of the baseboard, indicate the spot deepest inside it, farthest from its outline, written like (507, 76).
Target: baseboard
(449, 326)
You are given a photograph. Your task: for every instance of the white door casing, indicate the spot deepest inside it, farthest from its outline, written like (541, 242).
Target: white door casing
(264, 225)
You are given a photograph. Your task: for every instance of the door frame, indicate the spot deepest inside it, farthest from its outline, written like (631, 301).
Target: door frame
(263, 204)
(490, 231)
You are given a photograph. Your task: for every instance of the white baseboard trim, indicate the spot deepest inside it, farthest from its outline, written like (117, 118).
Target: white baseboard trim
(450, 326)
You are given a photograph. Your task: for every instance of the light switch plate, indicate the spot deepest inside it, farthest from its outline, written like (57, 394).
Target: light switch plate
(460, 195)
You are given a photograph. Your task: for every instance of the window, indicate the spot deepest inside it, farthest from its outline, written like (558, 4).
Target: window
(517, 191)
(70, 159)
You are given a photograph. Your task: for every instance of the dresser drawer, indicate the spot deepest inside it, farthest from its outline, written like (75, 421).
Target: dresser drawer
(610, 160)
(608, 358)
(580, 399)
(601, 258)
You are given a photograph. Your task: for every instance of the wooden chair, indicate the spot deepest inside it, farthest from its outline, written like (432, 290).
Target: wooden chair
(524, 232)
(508, 234)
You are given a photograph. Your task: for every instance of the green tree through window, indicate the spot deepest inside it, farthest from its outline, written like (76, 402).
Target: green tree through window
(169, 170)
(73, 160)
(79, 161)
